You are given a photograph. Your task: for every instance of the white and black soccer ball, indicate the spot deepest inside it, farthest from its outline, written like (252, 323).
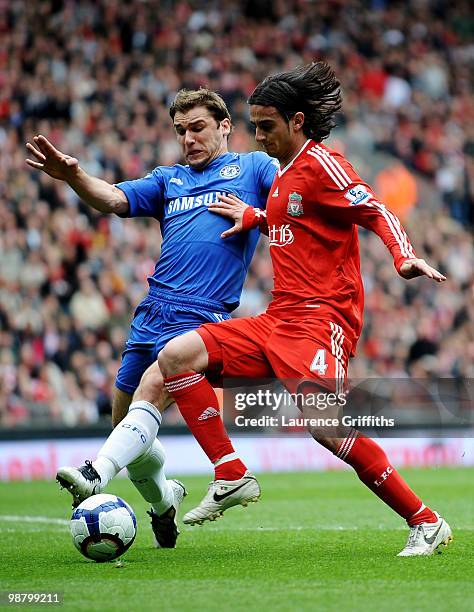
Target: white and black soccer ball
(103, 527)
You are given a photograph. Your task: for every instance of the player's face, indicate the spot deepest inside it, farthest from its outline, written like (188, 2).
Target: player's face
(202, 138)
(278, 137)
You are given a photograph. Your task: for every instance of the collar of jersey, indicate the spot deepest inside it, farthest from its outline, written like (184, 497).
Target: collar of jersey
(283, 170)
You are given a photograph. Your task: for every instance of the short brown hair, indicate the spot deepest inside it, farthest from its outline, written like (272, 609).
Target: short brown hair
(186, 99)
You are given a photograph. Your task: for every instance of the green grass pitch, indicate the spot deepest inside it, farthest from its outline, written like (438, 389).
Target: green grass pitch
(315, 541)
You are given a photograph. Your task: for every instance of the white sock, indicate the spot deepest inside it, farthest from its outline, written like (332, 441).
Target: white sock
(148, 476)
(129, 440)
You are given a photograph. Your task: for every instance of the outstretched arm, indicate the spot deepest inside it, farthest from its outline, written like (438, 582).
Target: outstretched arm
(95, 192)
(378, 218)
(245, 217)
(418, 267)
(343, 195)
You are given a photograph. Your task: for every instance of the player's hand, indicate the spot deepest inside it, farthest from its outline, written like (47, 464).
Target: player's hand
(233, 208)
(418, 267)
(50, 160)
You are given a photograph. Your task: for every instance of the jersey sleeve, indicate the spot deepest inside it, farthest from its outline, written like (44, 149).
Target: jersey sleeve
(145, 195)
(343, 194)
(265, 168)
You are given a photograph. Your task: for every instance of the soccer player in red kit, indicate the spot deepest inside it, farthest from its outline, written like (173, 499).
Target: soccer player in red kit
(312, 326)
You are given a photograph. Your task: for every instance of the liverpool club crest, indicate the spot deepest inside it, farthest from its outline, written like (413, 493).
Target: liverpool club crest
(295, 204)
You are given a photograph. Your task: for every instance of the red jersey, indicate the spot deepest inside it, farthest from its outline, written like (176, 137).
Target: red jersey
(313, 209)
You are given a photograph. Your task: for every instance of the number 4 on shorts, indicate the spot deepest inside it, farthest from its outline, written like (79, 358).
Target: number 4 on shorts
(319, 364)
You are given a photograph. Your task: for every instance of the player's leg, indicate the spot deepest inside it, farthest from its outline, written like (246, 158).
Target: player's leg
(136, 423)
(132, 437)
(136, 433)
(133, 444)
(363, 454)
(121, 401)
(182, 361)
(104, 465)
(373, 467)
(227, 349)
(92, 477)
(146, 470)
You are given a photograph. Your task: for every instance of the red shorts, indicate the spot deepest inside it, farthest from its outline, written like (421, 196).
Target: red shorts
(312, 350)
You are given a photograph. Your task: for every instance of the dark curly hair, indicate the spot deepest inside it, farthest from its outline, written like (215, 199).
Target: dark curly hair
(312, 89)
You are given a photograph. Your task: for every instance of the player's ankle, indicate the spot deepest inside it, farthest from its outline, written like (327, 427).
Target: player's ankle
(106, 469)
(426, 515)
(231, 470)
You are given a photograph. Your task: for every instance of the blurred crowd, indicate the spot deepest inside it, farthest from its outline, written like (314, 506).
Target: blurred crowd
(97, 79)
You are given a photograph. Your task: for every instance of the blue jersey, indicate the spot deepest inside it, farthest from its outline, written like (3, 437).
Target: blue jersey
(195, 261)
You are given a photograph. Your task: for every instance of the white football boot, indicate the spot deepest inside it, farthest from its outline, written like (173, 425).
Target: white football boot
(221, 495)
(165, 526)
(425, 538)
(82, 482)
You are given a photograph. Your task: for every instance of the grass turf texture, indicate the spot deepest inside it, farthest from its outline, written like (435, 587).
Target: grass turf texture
(315, 541)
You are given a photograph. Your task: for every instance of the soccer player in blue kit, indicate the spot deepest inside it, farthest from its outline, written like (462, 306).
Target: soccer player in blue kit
(197, 279)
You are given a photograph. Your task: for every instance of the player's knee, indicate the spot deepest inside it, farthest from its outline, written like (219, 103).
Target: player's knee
(151, 387)
(152, 378)
(331, 442)
(170, 359)
(184, 353)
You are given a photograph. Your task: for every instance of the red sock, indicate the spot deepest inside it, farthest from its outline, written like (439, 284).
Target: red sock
(375, 470)
(199, 406)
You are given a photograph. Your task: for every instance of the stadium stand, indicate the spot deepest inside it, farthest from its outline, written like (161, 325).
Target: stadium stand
(97, 78)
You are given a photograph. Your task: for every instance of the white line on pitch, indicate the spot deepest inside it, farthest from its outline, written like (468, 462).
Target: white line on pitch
(298, 528)
(316, 527)
(7, 518)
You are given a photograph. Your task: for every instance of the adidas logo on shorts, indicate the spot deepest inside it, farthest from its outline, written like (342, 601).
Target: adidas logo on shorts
(208, 414)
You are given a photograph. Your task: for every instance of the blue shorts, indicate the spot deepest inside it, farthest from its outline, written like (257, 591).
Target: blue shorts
(160, 317)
